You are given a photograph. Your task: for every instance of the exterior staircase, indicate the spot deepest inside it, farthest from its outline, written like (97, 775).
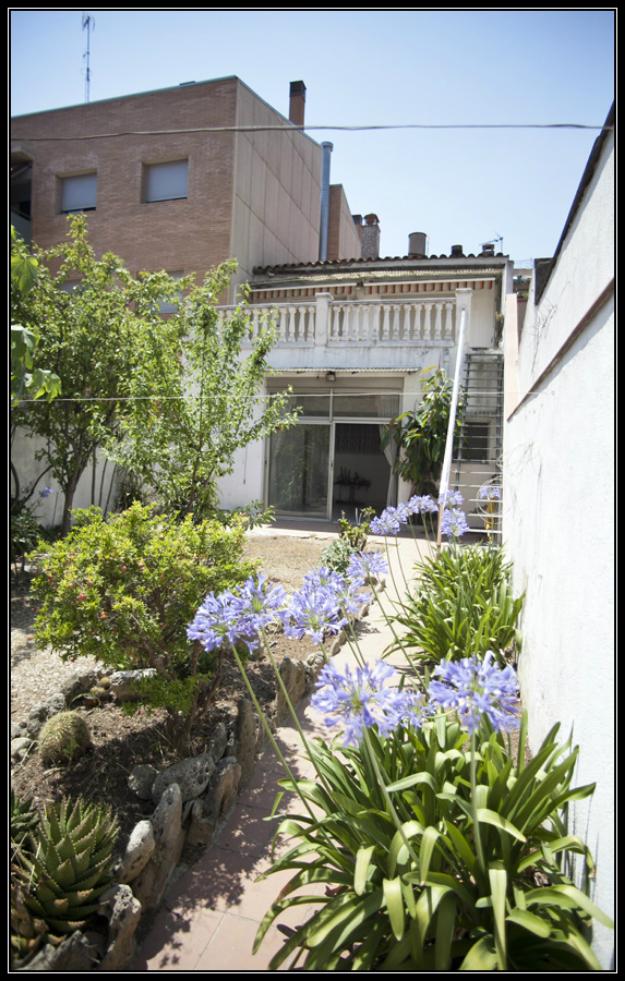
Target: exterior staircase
(478, 446)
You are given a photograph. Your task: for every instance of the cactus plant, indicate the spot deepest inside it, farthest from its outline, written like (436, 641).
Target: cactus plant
(64, 737)
(71, 867)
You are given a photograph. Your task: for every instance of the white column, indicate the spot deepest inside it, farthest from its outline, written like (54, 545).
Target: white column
(322, 318)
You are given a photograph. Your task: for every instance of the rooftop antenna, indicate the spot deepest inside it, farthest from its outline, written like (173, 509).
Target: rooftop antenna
(496, 238)
(88, 22)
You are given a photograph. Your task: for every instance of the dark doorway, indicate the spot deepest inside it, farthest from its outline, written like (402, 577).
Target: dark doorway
(361, 470)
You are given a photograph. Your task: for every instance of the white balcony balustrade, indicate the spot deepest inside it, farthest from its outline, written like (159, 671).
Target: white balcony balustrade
(337, 323)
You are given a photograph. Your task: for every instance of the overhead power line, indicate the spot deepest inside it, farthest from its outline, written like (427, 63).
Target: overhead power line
(305, 129)
(173, 398)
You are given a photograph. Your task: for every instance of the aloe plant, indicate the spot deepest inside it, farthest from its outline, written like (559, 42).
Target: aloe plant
(71, 867)
(24, 821)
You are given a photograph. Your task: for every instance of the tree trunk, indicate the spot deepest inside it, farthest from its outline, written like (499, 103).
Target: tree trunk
(70, 490)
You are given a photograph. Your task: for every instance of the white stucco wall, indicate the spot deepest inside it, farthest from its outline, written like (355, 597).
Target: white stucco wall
(558, 519)
(49, 510)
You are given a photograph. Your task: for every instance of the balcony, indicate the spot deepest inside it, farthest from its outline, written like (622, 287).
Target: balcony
(325, 322)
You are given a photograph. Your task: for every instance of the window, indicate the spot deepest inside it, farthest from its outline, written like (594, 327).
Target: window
(78, 193)
(166, 181)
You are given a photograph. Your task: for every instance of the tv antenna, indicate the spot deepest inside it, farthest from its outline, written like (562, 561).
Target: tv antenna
(496, 238)
(88, 22)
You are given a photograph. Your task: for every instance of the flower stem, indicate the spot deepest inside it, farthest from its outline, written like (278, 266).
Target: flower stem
(382, 784)
(476, 826)
(267, 728)
(291, 708)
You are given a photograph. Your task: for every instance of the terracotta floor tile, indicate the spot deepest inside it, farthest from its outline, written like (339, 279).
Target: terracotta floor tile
(176, 941)
(230, 948)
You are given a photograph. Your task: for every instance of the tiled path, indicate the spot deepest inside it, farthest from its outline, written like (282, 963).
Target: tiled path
(212, 911)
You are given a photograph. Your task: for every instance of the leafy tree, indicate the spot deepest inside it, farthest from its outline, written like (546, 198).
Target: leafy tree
(421, 434)
(93, 341)
(205, 400)
(28, 379)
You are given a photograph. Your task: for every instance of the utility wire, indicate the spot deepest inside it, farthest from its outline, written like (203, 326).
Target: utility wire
(304, 129)
(173, 398)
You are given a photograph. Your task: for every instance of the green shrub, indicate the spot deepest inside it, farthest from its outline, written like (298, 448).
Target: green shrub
(352, 538)
(25, 532)
(124, 589)
(419, 898)
(463, 605)
(337, 554)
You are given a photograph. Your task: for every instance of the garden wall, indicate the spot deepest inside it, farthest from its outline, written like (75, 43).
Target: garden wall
(559, 509)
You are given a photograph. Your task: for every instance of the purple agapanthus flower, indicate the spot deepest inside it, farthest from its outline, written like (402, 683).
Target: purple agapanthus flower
(313, 611)
(489, 492)
(413, 506)
(427, 503)
(360, 699)
(388, 523)
(46, 491)
(365, 566)
(217, 621)
(454, 523)
(324, 578)
(474, 688)
(258, 605)
(451, 498)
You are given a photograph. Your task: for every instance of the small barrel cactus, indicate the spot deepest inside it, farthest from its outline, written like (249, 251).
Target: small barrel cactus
(63, 738)
(71, 868)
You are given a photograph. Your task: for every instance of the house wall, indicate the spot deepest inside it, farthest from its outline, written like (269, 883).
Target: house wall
(558, 513)
(277, 191)
(191, 234)
(343, 237)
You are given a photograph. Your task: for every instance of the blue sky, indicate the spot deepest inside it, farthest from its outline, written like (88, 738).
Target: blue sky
(373, 67)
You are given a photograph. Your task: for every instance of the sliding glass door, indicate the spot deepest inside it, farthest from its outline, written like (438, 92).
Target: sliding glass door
(298, 470)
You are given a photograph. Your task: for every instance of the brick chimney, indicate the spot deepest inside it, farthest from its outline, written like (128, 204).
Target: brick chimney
(370, 237)
(297, 103)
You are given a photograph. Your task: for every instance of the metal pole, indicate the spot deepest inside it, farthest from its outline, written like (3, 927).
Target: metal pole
(451, 425)
(325, 201)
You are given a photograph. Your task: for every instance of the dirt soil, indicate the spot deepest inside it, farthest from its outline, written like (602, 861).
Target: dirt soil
(122, 741)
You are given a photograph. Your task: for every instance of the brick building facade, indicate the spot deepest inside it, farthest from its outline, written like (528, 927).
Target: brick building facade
(179, 201)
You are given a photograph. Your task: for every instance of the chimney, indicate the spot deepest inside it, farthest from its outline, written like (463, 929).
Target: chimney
(370, 238)
(488, 248)
(297, 103)
(456, 250)
(417, 243)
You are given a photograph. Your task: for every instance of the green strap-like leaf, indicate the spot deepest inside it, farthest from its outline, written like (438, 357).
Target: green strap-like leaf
(486, 816)
(498, 879)
(412, 781)
(567, 897)
(393, 897)
(481, 957)
(445, 928)
(529, 921)
(362, 868)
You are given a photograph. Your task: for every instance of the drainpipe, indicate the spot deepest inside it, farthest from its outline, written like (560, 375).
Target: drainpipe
(325, 201)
